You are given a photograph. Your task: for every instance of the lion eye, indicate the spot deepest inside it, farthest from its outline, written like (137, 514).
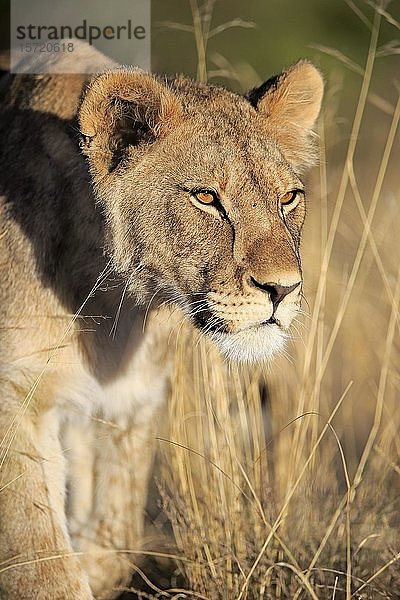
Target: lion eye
(288, 198)
(209, 199)
(204, 197)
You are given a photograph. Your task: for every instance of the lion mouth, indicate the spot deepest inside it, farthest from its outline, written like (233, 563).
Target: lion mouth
(245, 342)
(218, 325)
(272, 321)
(210, 322)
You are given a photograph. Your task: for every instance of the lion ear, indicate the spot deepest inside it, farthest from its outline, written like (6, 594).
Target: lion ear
(121, 109)
(290, 103)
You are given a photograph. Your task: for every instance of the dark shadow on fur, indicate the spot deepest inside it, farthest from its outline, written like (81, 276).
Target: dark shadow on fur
(51, 201)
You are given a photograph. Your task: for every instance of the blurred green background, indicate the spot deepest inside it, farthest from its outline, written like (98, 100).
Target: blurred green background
(283, 31)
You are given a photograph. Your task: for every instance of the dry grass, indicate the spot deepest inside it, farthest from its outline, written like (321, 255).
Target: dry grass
(284, 483)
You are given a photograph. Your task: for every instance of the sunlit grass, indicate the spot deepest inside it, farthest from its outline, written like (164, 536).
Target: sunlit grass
(284, 483)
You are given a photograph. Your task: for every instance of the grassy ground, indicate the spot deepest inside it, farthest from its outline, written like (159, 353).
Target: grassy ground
(284, 482)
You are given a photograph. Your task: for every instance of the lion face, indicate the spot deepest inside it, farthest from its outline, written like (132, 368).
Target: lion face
(203, 198)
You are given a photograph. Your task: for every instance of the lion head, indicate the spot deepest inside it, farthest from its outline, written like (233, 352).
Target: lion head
(203, 198)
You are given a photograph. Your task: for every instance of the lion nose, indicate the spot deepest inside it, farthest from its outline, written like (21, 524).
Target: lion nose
(276, 291)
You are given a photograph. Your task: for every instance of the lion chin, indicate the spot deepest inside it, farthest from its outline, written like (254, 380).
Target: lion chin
(256, 344)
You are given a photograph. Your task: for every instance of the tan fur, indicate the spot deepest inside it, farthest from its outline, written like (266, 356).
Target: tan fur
(97, 252)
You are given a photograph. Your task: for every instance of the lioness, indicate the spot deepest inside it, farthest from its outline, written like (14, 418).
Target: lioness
(123, 198)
